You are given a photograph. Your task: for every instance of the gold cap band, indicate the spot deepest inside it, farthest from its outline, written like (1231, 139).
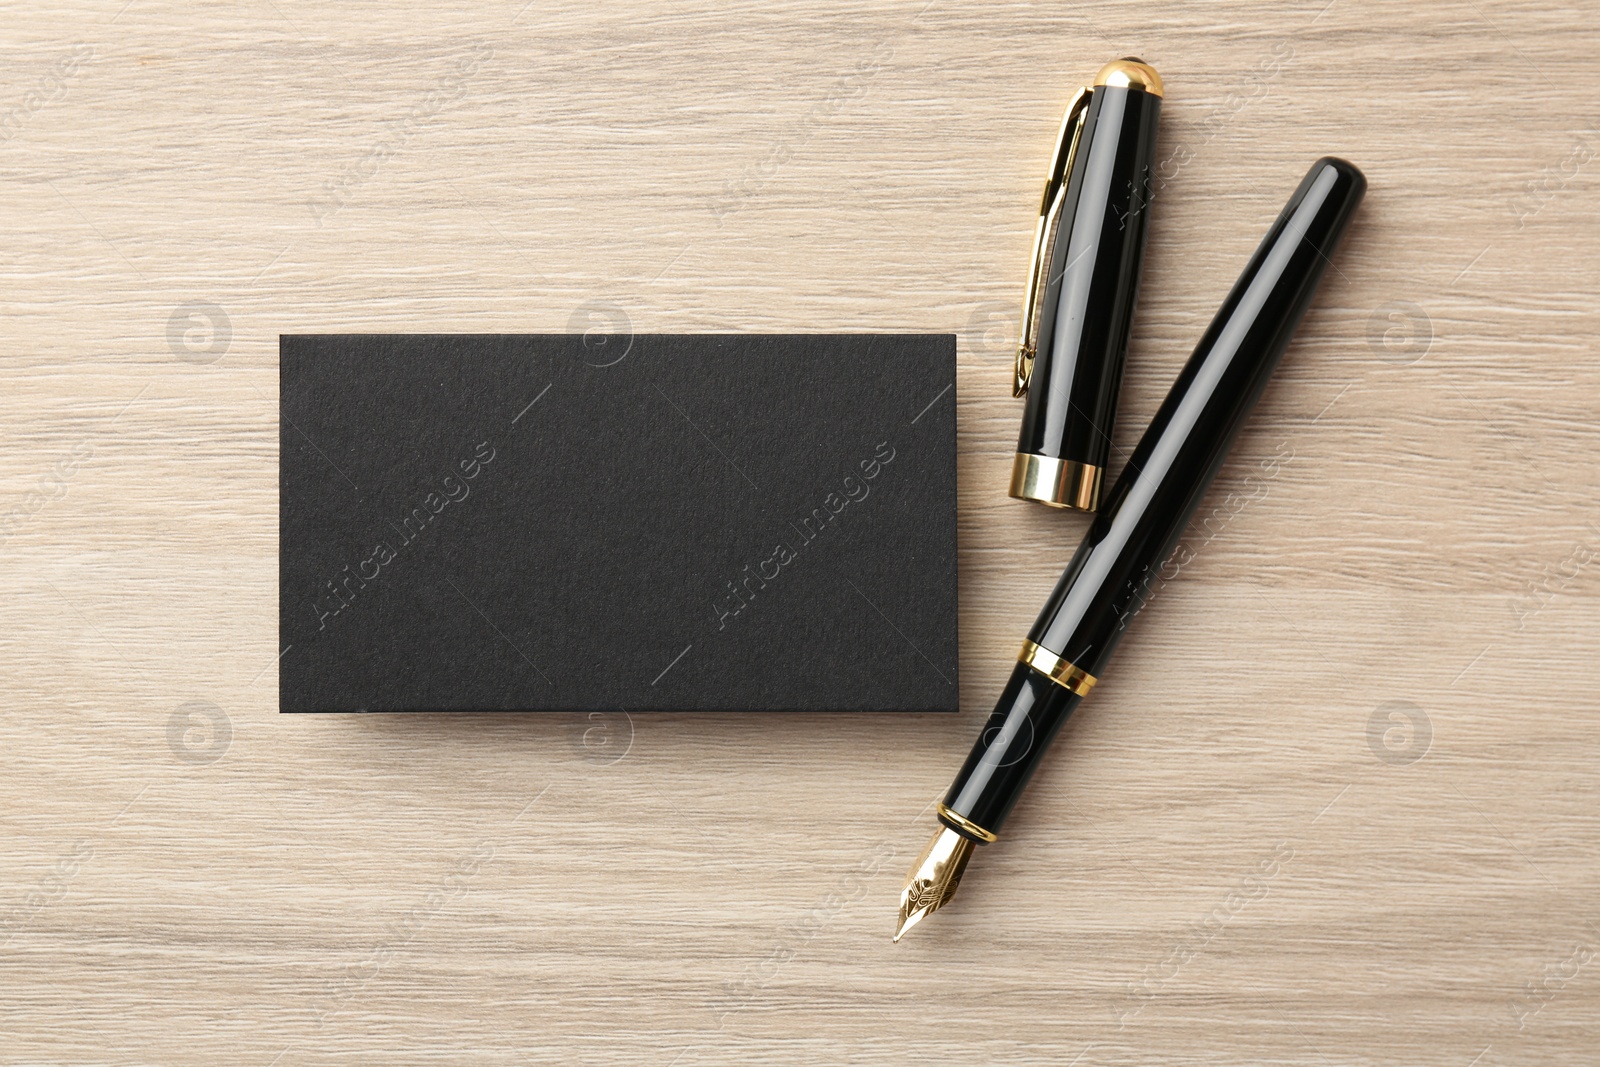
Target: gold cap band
(1067, 675)
(1130, 73)
(964, 823)
(1061, 483)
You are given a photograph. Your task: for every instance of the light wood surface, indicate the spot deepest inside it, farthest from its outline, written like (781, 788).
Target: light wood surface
(1335, 803)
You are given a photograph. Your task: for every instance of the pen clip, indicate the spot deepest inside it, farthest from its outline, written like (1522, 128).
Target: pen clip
(1055, 189)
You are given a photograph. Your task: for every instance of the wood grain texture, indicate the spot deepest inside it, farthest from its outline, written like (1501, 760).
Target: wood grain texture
(1335, 803)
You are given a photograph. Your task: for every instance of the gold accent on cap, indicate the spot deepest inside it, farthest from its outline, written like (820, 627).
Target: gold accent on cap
(1067, 675)
(1061, 483)
(933, 878)
(967, 824)
(1044, 235)
(1130, 73)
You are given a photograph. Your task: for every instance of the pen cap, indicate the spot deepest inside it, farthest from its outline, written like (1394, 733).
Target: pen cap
(1086, 279)
(1127, 556)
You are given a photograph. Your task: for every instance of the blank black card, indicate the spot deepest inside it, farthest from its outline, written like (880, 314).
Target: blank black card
(646, 522)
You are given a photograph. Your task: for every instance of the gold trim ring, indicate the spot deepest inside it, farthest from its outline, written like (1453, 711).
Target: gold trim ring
(1130, 73)
(1061, 483)
(964, 823)
(1067, 675)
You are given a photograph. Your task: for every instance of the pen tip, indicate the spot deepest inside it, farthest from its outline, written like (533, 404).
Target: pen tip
(933, 878)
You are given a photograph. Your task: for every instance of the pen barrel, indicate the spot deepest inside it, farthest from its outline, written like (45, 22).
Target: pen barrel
(1026, 718)
(1091, 286)
(1124, 558)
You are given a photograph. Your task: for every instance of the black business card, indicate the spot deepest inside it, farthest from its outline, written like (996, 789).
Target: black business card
(719, 522)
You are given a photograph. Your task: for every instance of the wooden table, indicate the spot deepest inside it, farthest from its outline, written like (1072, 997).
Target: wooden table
(1335, 804)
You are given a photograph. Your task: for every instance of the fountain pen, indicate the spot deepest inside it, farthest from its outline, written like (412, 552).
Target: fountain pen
(1119, 564)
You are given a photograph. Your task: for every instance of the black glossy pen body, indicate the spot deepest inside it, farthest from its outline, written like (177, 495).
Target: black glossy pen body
(1092, 281)
(1119, 565)
(1026, 718)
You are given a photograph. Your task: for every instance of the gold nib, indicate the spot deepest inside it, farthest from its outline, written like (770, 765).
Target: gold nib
(933, 878)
